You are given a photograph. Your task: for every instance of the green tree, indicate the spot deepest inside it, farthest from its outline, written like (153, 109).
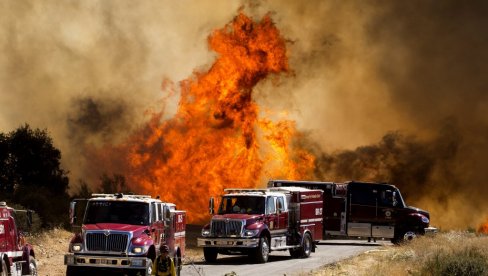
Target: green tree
(30, 173)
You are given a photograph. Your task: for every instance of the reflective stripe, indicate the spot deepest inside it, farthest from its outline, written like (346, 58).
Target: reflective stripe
(180, 234)
(310, 220)
(13, 254)
(311, 202)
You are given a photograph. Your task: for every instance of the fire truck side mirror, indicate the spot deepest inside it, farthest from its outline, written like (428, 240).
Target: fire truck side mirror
(211, 206)
(72, 214)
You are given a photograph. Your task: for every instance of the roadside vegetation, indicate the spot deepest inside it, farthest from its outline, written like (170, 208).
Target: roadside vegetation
(450, 253)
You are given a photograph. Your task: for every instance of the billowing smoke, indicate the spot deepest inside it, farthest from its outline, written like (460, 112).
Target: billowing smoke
(395, 91)
(89, 71)
(385, 90)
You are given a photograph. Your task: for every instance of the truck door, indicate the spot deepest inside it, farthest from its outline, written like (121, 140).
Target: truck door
(282, 213)
(156, 223)
(271, 217)
(362, 209)
(386, 205)
(77, 209)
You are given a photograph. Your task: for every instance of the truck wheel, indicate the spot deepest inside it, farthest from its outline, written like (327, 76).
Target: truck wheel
(30, 267)
(262, 252)
(4, 271)
(210, 254)
(409, 235)
(32, 271)
(306, 248)
(404, 236)
(149, 266)
(177, 263)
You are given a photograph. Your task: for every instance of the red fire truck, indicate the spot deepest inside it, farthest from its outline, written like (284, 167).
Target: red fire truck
(366, 209)
(255, 222)
(123, 233)
(17, 257)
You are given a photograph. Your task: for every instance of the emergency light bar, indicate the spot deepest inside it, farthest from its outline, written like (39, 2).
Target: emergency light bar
(262, 191)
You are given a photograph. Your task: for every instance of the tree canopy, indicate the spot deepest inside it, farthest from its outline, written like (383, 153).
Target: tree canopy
(31, 175)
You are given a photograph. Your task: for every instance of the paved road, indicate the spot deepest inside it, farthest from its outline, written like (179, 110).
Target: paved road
(280, 263)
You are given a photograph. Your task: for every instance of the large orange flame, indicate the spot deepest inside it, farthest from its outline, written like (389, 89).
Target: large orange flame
(216, 139)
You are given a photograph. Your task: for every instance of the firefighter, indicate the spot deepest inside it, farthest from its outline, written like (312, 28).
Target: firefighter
(164, 265)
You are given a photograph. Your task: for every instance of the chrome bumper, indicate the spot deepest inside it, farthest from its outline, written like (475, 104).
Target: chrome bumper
(105, 261)
(430, 230)
(228, 242)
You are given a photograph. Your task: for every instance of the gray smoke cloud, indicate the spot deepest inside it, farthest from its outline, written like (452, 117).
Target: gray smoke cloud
(386, 90)
(395, 91)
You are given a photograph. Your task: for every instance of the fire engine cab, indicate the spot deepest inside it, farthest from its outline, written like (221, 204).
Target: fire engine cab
(255, 222)
(16, 256)
(123, 233)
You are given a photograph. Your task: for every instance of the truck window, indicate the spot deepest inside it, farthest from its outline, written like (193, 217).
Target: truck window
(270, 205)
(387, 198)
(363, 195)
(281, 204)
(123, 212)
(154, 212)
(160, 211)
(242, 205)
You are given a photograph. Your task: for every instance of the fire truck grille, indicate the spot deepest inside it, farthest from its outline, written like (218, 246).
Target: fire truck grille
(110, 242)
(224, 228)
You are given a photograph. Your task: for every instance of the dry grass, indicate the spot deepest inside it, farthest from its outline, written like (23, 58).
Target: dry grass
(50, 247)
(453, 253)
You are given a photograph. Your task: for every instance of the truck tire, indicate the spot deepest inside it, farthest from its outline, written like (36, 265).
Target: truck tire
(149, 266)
(30, 267)
(404, 236)
(262, 252)
(4, 271)
(210, 254)
(307, 245)
(177, 263)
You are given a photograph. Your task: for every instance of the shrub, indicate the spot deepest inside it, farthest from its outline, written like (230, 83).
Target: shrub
(467, 261)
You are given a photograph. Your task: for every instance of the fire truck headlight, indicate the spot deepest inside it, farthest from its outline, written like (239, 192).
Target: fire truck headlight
(76, 247)
(250, 233)
(137, 250)
(425, 220)
(205, 232)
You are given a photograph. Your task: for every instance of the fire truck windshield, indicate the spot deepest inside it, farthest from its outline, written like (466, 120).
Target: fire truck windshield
(242, 205)
(123, 212)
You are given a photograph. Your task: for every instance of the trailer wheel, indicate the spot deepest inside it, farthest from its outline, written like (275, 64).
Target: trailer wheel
(262, 252)
(306, 246)
(4, 271)
(210, 254)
